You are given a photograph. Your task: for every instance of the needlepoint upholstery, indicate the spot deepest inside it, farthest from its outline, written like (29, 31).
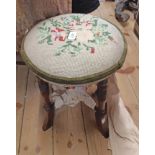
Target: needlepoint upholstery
(97, 50)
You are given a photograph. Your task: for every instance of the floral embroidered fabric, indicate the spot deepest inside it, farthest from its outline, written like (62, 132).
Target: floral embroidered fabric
(59, 29)
(98, 46)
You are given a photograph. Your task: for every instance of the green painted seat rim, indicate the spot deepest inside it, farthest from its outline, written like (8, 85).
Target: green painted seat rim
(79, 80)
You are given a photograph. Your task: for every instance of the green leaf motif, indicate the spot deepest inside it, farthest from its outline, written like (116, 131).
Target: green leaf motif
(106, 33)
(47, 39)
(99, 30)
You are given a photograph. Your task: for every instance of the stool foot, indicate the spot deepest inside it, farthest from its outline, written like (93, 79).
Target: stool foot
(48, 105)
(49, 119)
(101, 110)
(102, 122)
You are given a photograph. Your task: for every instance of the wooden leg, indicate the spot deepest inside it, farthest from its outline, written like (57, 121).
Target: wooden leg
(48, 106)
(101, 109)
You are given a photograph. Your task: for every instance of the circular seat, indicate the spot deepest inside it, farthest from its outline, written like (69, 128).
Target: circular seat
(74, 49)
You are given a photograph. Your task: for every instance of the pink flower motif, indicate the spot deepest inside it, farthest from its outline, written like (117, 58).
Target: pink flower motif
(61, 38)
(59, 30)
(57, 34)
(92, 50)
(87, 23)
(56, 38)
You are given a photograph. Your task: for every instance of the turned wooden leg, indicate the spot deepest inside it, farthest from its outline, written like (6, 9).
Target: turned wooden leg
(101, 108)
(48, 106)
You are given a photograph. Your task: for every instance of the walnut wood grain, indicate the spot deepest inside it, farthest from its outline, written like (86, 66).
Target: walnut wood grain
(48, 105)
(101, 109)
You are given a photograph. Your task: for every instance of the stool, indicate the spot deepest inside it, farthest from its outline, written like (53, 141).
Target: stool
(74, 50)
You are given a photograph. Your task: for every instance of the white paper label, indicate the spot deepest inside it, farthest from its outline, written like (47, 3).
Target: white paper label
(72, 36)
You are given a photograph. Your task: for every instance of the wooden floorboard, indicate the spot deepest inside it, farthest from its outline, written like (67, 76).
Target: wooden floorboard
(69, 133)
(132, 58)
(132, 61)
(21, 82)
(74, 131)
(128, 96)
(128, 76)
(97, 144)
(33, 139)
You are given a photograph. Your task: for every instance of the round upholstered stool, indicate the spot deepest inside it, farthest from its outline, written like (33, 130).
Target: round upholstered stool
(73, 50)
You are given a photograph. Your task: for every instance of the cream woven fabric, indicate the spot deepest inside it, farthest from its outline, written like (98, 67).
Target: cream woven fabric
(98, 45)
